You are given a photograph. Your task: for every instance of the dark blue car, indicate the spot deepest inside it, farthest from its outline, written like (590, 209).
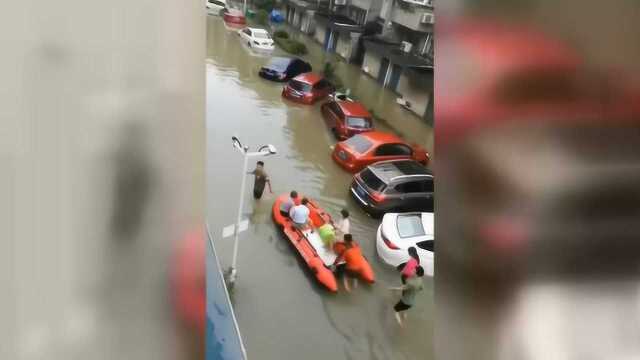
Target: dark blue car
(283, 69)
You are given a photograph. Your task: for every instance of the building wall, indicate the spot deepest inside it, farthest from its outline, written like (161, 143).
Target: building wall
(343, 46)
(373, 6)
(418, 97)
(320, 33)
(411, 18)
(372, 63)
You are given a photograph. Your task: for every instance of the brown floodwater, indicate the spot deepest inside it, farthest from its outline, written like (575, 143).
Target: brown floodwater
(282, 312)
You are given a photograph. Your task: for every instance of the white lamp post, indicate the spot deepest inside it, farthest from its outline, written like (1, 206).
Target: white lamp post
(264, 150)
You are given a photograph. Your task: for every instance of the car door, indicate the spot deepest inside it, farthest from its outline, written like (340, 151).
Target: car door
(329, 114)
(412, 195)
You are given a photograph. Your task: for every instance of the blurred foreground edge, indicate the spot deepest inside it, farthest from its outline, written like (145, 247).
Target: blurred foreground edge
(537, 198)
(202, 301)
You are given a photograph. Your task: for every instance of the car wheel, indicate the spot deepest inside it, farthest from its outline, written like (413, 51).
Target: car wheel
(249, 43)
(335, 133)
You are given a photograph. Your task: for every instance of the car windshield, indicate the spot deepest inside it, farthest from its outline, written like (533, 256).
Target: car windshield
(410, 225)
(358, 122)
(359, 143)
(372, 180)
(261, 35)
(299, 85)
(279, 64)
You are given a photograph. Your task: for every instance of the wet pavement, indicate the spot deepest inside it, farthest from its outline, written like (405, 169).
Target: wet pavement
(282, 312)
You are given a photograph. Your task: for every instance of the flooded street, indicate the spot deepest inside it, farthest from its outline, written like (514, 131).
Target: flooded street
(282, 312)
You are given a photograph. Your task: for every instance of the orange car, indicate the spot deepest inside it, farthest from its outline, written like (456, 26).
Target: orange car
(355, 153)
(346, 118)
(307, 88)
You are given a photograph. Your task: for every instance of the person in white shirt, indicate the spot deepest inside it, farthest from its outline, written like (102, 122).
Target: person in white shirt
(300, 215)
(344, 225)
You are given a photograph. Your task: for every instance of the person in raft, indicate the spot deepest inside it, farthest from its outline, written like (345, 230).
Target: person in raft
(299, 215)
(408, 269)
(261, 179)
(292, 201)
(409, 291)
(353, 260)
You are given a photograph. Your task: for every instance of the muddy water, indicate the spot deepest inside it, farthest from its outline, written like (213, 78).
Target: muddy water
(281, 311)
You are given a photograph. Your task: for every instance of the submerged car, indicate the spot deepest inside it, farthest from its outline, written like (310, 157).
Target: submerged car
(256, 38)
(214, 7)
(399, 232)
(307, 88)
(346, 118)
(234, 17)
(393, 186)
(283, 69)
(355, 153)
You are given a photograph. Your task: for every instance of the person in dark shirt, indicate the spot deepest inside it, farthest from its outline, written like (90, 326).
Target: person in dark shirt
(261, 179)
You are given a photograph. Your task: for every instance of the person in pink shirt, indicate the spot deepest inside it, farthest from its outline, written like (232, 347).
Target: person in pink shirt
(408, 269)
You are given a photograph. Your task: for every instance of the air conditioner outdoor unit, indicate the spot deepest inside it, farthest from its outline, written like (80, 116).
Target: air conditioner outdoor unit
(420, 2)
(406, 46)
(339, 2)
(427, 18)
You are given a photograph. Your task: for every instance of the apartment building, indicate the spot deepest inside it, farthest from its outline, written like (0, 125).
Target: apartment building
(401, 56)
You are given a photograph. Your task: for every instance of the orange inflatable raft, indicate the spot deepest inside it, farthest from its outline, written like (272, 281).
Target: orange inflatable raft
(310, 246)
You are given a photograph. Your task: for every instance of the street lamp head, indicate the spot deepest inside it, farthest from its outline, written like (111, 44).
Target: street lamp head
(271, 150)
(237, 144)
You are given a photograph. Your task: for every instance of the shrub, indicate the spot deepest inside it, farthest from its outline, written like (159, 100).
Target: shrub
(281, 34)
(266, 5)
(262, 17)
(329, 72)
(290, 45)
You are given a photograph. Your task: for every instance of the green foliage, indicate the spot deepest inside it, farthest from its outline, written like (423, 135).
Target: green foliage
(329, 72)
(266, 5)
(262, 17)
(289, 45)
(281, 34)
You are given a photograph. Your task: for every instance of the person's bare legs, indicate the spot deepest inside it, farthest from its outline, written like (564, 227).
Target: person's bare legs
(398, 318)
(355, 283)
(345, 281)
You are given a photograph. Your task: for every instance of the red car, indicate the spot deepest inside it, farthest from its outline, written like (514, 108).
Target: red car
(346, 118)
(361, 150)
(307, 88)
(234, 16)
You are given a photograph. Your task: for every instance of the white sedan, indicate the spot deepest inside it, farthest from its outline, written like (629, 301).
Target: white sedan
(256, 38)
(215, 6)
(398, 232)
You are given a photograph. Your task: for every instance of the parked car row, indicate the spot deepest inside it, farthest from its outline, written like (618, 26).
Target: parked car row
(390, 175)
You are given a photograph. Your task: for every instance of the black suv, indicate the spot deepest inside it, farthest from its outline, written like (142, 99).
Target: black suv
(394, 186)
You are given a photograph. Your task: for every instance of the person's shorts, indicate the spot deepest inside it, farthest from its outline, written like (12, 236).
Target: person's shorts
(299, 226)
(400, 306)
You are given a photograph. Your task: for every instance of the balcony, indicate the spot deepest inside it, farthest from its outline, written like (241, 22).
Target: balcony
(413, 17)
(392, 50)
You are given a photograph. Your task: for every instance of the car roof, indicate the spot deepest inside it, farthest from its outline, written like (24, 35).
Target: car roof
(353, 108)
(388, 171)
(257, 30)
(379, 137)
(236, 12)
(308, 78)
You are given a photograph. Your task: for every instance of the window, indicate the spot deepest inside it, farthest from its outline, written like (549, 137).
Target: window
(411, 187)
(262, 35)
(426, 245)
(335, 109)
(372, 181)
(410, 225)
(247, 31)
(393, 150)
(359, 143)
(358, 122)
(300, 86)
